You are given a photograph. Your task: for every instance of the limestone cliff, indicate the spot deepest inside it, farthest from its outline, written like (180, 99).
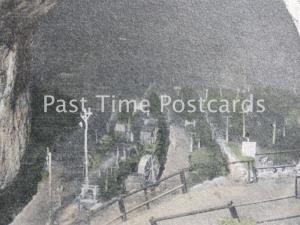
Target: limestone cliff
(17, 20)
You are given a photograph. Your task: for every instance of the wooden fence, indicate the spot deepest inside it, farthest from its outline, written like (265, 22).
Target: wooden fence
(297, 186)
(121, 199)
(230, 206)
(250, 166)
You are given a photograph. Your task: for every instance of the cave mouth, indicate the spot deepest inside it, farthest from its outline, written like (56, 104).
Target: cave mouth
(120, 47)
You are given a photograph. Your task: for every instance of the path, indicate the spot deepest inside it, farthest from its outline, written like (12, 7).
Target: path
(220, 192)
(178, 155)
(238, 171)
(37, 211)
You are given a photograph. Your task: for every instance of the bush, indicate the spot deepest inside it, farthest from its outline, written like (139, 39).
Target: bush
(106, 143)
(162, 142)
(206, 164)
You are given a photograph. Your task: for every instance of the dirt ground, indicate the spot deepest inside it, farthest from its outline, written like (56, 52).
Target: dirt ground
(220, 192)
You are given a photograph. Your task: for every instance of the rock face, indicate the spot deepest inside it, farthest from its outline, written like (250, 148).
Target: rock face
(14, 118)
(17, 20)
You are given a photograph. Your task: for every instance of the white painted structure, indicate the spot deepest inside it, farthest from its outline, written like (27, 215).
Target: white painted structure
(249, 149)
(124, 129)
(148, 135)
(191, 145)
(177, 89)
(85, 115)
(189, 123)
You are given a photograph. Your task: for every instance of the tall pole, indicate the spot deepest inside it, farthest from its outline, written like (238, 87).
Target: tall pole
(85, 116)
(86, 153)
(244, 125)
(49, 158)
(283, 131)
(206, 94)
(274, 133)
(191, 144)
(118, 156)
(238, 93)
(96, 136)
(227, 129)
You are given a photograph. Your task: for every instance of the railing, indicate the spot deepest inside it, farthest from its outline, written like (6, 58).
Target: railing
(278, 157)
(297, 186)
(121, 199)
(230, 206)
(252, 168)
(276, 167)
(278, 152)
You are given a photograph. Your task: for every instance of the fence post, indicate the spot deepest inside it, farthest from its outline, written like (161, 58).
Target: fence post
(152, 221)
(146, 198)
(296, 186)
(122, 209)
(249, 171)
(183, 182)
(255, 175)
(233, 211)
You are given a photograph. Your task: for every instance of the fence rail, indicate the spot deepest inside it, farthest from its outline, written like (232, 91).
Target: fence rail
(297, 192)
(276, 167)
(230, 206)
(121, 199)
(278, 152)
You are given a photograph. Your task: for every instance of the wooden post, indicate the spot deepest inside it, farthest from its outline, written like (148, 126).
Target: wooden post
(117, 158)
(146, 198)
(96, 136)
(199, 144)
(152, 221)
(244, 124)
(122, 209)
(249, 171)
(283, 129)
(60, 192)
(191, 144)
(227, 129)
(49, 157)
(254, 171)
(106, 180)
(274, 133)
(183, 182)
(296, 186)
(233, 211)
(206, 94)
(107, 127)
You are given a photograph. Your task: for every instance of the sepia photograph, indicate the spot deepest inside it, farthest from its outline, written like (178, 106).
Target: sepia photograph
(149, 112)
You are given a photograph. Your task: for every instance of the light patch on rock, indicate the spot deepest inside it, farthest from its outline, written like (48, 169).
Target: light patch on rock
(293, 6)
